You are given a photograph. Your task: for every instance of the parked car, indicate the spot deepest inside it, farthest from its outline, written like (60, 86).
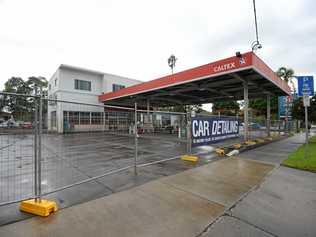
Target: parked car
(253, 125)
(4, 124)
(27, 125)
(12, 124)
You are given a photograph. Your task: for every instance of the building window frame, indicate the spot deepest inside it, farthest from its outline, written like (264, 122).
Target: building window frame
(116, 87)
(82, 85)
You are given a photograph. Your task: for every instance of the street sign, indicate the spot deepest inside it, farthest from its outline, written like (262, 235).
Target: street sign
(306, 100)
(305, 85)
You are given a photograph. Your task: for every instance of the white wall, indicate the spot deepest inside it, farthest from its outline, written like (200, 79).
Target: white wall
(65, 90)
(109, 80)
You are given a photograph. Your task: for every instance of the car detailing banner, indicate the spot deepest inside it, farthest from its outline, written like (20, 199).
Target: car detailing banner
(206, 130)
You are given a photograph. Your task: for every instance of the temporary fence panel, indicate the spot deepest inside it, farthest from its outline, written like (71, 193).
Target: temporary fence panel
(161, 135)
(17, 147)
(85, 141)
(51, 145)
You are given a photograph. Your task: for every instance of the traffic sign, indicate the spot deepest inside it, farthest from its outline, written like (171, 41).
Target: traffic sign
(305, 85)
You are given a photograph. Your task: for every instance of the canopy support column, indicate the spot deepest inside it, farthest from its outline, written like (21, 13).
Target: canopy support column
(246, 104)
(148, 109)
(268, 114)
(136, 139)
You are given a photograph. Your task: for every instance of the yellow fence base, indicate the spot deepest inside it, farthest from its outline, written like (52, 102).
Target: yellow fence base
(249, 142)
(40, 208)
(259, 140)
(269, 138)
(189, 158)
(237, 145)
(220, 151)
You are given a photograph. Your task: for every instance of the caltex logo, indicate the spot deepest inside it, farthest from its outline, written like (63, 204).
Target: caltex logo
(242, 61)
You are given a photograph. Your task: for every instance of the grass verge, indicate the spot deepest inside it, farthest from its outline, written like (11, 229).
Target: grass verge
(296, 159)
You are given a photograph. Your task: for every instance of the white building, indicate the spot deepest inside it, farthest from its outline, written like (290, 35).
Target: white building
(76, 84)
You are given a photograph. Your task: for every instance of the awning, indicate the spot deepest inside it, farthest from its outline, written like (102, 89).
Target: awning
(216, 81)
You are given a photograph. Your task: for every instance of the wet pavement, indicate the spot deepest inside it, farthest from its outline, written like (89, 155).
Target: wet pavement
(229, 226)
(283, 205)
(177, 205)
(275, 152)
(72, 158)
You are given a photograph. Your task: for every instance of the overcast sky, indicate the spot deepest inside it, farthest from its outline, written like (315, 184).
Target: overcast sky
(135, 38)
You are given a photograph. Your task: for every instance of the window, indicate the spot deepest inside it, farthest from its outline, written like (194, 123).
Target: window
(49, 87)
(82, 85)
(52, 98)
(53, 121)
(116, 87)
(56, 82)
(84, 117)
(96, 117)
(73, 118)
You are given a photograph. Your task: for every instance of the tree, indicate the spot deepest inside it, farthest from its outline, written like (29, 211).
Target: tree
(172, 62)
(286, 74)
(21, 107)
(226, 107)
(16, 104)
(183, 108)
(298, 110)
(260, 105)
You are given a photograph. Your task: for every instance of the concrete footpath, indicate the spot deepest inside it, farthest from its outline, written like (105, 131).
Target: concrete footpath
(283, 205)
(245, 196)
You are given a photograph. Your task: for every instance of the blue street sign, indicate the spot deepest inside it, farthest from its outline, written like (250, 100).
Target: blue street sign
(305, 85)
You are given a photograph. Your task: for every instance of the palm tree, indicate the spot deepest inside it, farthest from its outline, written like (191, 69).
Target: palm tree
(287, 74)
(172, 62)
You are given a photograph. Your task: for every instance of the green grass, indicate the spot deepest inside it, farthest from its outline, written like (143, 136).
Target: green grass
(296, 159)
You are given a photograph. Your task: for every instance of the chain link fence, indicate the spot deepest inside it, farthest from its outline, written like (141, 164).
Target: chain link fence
(52, 145)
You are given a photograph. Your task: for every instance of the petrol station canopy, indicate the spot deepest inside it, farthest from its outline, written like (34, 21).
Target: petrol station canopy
(217, 81)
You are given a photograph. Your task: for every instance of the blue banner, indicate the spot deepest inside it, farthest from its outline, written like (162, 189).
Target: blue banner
(305, 84)
(207, 130)
(282, 106)
(283, 102)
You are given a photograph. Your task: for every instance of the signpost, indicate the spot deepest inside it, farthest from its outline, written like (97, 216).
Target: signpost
(306, 89)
